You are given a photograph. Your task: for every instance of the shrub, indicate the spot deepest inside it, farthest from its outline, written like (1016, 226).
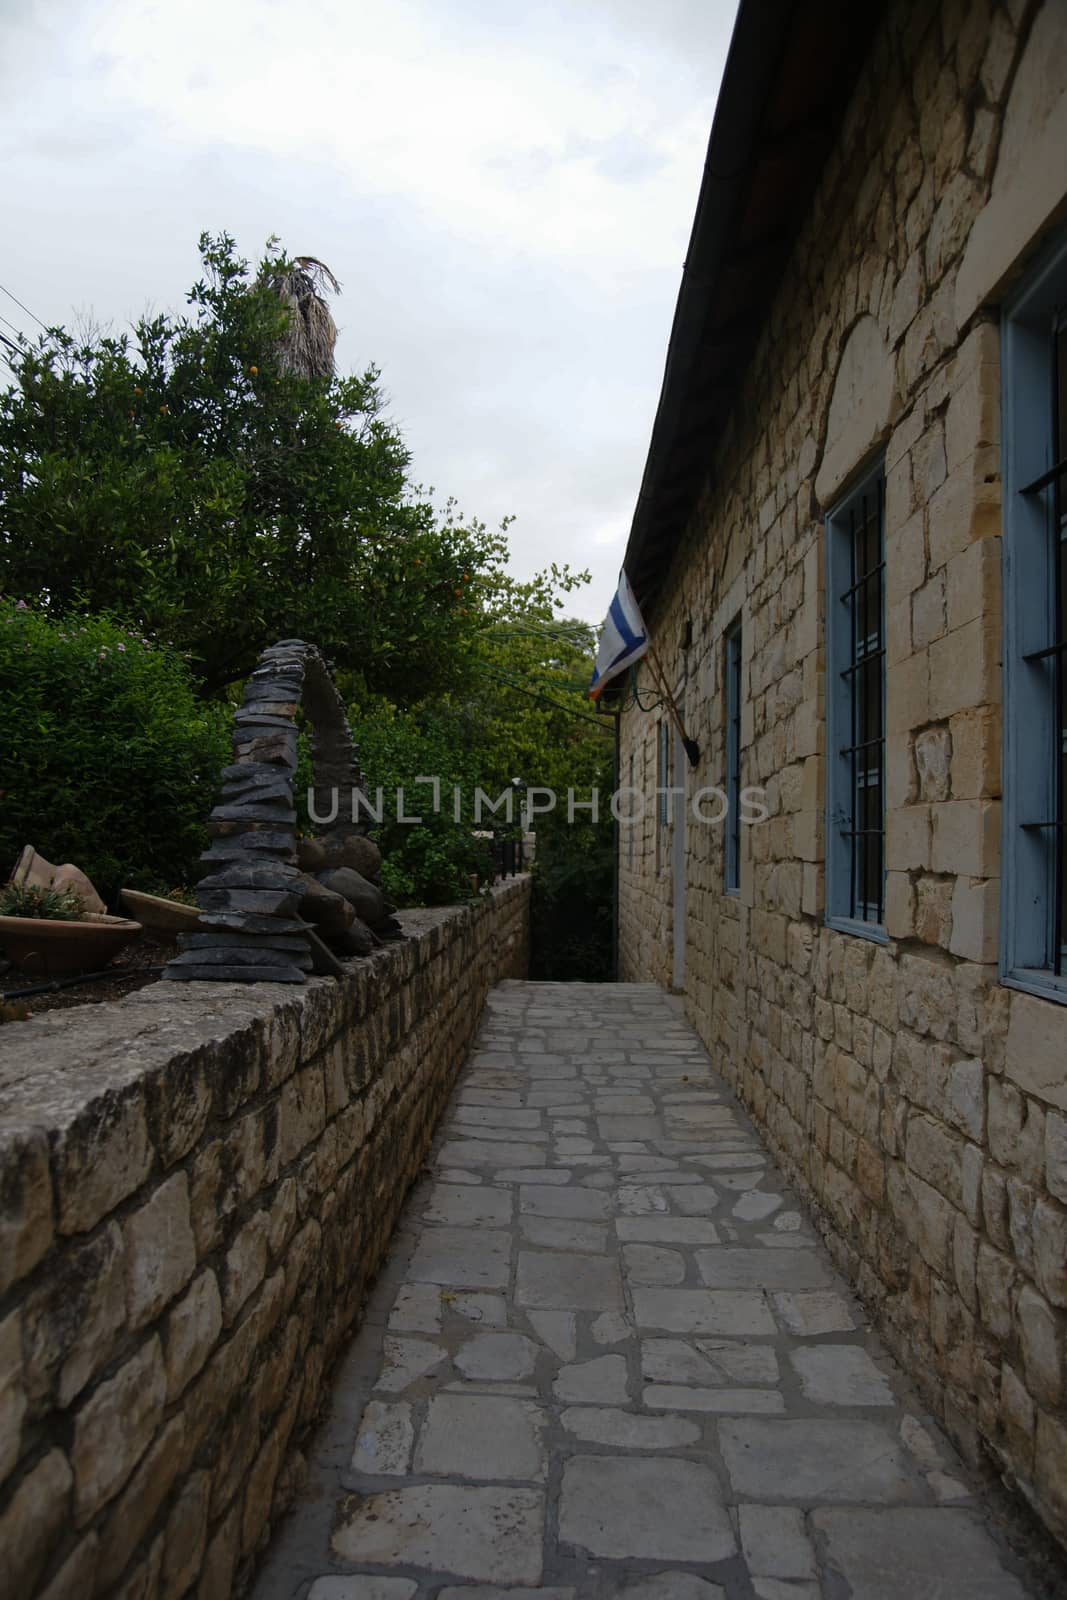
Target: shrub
(571, 911)
(34, 900)
(430, 863)
(108, 758)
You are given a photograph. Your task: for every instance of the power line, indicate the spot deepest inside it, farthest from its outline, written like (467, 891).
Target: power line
(555, 679)
(581, 716)
(507, 629)
(25, 308)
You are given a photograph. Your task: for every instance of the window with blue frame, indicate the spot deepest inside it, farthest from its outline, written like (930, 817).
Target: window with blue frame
(855, 709)
(732, 867)
(663, 773)
(663, 785)
(1034, 900)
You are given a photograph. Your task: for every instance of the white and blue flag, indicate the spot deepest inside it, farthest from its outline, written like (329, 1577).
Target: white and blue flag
(623, 638)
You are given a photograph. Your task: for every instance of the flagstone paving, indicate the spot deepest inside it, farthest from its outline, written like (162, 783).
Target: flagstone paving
(610, 1356)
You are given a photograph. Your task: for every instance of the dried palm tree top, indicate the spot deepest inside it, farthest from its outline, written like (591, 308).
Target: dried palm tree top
(307, 345)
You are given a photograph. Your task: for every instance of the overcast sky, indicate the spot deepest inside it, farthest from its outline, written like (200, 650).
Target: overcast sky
(504, 187)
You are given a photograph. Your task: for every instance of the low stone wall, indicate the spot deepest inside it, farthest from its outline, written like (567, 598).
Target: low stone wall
(196, 1186)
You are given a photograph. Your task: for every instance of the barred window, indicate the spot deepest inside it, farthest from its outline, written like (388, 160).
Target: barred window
(1034, 929)
(732, 871)
(663, 773)
(663, 785)
(856, 708)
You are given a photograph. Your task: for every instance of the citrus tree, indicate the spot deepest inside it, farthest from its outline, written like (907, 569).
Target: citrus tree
(206, 494)
(188, 479)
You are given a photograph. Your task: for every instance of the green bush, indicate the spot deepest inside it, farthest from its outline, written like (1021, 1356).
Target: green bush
(108, 758)
(571, 911)
(430, 863)
(534, 727)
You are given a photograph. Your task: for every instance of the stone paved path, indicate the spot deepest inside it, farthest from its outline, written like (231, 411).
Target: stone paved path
(609, 1356)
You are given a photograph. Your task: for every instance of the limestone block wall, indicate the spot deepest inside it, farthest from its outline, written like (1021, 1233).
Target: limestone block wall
(196, 1186)
(920, 1104)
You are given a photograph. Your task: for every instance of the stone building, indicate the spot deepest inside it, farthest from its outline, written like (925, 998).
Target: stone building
(849, 551)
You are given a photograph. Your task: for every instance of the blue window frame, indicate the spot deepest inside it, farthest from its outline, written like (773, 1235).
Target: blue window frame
(732, 865)
(855, 709)
(1034, 380)
(663, 785)
(663, 773)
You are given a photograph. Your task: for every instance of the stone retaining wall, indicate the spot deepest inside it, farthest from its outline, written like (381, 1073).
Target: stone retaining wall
(196, 1186)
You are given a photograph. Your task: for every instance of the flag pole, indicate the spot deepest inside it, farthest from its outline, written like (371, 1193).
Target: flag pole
(692, 749)
(624, 639)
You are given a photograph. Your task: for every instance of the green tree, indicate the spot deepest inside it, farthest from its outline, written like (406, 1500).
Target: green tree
(189, 481)
(213, 493)
(557, 741)
(523, 713)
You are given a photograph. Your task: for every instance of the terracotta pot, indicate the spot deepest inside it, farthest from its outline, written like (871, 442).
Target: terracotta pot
(46, 948)
(160, 915)
(34, 869)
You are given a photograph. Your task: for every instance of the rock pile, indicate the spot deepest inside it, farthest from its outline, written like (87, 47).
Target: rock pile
(271, 909)
(342, 893)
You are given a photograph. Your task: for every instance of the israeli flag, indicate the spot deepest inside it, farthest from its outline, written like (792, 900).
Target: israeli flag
(623, 638)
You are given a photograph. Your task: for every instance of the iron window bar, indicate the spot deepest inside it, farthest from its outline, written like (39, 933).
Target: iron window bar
(872, 572)
(866, 787)
(1046, 478)
(1056, 652)
(1055, 483)
(865, 660)
(853, 597)
(733, 686)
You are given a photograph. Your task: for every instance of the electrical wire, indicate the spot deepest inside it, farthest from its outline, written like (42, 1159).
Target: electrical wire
(509, 630)
(531, 694)
(25, 308)
(631, 695)
(645, 701)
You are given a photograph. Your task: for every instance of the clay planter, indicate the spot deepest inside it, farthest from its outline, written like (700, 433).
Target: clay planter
(46, 948)
(161, 916)
(34, 869)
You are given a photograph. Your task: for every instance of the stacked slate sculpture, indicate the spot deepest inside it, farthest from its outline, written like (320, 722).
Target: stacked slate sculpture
(256, 905)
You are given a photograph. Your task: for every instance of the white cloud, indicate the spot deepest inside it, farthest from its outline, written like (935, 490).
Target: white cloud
(504, 190)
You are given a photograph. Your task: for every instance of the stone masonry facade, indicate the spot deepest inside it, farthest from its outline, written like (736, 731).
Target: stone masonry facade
(198, 1184)
(918, 1103)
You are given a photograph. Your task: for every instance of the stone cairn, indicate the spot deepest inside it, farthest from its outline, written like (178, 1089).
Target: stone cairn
(274, 908)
